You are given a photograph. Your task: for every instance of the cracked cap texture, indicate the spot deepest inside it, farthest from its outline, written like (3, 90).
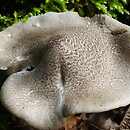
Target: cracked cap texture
(84, 66)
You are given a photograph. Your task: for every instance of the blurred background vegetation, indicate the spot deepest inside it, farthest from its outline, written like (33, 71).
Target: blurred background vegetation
(13, 11)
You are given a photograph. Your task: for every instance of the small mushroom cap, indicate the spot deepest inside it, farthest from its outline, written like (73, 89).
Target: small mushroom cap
(84, 68)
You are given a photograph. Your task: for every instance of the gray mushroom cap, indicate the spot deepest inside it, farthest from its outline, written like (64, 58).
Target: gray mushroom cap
(85, 67)
(22, 44)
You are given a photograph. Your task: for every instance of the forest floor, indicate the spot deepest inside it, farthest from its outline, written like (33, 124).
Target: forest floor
(93, 121)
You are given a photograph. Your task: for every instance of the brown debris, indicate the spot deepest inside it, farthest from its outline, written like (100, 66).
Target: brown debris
(109, 120)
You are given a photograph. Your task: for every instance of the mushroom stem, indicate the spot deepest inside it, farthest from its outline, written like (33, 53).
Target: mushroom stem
(125, 124)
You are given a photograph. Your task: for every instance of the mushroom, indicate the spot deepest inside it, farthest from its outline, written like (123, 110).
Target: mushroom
(85, 67)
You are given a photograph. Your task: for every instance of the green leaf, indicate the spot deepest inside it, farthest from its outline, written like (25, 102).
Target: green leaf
(36, 11)
(101, 7)
(124, 1)
(114, 5)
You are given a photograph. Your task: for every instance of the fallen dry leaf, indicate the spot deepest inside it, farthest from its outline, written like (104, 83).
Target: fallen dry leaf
(71, 122)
